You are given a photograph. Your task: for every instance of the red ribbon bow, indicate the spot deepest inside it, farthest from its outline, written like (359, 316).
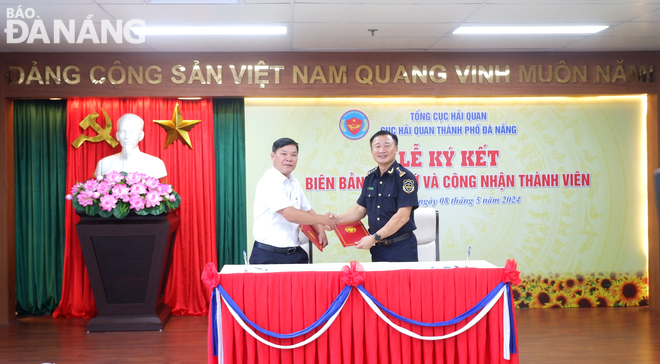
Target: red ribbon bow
(353, 275)
(210, 276)
(511, 273)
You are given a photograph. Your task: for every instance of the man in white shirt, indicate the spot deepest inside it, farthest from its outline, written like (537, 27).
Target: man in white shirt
(129, 133)
(280, 207)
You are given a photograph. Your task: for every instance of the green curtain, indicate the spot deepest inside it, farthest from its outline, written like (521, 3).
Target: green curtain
(40, 178)
(229, 120)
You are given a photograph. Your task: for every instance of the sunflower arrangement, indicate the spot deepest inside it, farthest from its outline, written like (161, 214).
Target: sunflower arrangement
(555, 290)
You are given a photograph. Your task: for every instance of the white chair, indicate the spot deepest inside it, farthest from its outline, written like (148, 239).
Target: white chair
(307, 245)
(428, 243)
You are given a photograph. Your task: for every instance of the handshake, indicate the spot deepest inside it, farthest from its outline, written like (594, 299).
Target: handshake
(330, 221)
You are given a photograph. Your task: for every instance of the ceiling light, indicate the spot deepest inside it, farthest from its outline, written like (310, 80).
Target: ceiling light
(532, 30)
(192, 2)
(234, 30)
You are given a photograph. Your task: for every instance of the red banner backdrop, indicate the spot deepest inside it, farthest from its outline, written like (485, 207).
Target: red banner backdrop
(190, 171)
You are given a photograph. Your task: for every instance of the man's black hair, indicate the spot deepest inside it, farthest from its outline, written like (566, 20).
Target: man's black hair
(283, 142)
(384, 132)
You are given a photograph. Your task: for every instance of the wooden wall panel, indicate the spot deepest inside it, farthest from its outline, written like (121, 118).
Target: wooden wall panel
(7, 217)
(611, 73)
(550, 76)
(653, 161)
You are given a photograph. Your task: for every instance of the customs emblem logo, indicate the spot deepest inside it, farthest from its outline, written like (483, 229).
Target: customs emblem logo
(354, 124)
(408, 186)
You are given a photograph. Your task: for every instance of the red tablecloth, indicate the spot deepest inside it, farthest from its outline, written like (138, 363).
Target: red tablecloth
(286, 302)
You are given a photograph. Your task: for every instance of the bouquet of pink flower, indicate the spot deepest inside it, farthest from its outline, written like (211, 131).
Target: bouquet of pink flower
(118, 193)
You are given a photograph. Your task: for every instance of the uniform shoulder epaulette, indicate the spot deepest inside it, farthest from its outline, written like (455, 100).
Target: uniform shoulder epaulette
(371, 171)
(401, 173)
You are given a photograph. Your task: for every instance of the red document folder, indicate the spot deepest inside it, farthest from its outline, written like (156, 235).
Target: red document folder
(350, 234)
(311, 235)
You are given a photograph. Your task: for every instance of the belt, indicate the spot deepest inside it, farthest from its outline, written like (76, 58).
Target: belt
(290, 250)
(396, 240)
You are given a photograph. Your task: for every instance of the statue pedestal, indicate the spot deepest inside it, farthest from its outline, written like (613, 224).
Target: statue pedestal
(128, 261)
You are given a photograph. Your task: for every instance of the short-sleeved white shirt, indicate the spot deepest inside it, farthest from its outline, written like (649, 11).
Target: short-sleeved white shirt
(275, 192)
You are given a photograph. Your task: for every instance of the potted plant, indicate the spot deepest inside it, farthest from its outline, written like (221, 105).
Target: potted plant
(127, 229)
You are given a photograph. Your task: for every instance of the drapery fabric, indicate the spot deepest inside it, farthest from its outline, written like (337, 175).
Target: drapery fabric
(191, 172)
(289, 301)
(229, 115)
(40, 177)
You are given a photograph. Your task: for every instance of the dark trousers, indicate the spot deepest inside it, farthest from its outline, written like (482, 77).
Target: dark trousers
(262, 256)
(403, 251)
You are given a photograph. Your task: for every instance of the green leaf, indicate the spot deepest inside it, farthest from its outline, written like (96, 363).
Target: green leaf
(157, 210)
(122, 209)
(77, 206)
(176, 202)
(124, 206)
(142, 212)
(104, 213)
(118, 214)
(93, 210)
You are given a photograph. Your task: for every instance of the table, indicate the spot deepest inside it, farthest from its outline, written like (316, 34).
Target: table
(289, 298)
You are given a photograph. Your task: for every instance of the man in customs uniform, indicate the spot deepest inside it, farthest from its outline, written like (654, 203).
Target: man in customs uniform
(388, 198)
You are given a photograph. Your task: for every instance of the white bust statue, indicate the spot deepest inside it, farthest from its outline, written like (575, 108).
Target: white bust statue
(131, 159)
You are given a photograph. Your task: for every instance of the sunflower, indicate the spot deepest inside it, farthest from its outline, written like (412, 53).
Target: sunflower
(539, 298)
(629, 291)
(566, 284)
(580, 279)
(553, 304)
(561, 297)
(577, 292)
(518, 293)
(603, 298)
(605, 283)
(522, 304)
(584, 301)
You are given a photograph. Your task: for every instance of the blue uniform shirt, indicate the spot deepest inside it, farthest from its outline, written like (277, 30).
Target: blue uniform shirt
(383, 195)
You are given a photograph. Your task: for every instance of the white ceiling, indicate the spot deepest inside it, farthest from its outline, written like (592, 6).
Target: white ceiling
(341, 25)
